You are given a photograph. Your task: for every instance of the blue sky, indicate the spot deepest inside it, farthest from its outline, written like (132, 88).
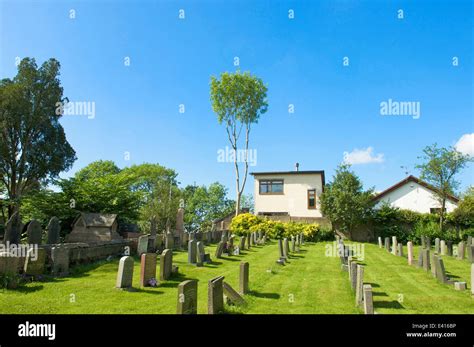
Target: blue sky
(336, 107)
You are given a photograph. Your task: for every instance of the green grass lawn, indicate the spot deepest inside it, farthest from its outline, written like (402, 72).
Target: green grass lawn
(309, 283)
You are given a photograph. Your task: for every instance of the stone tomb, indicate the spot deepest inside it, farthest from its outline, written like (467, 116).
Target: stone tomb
(147, 269)
(125, 273)
(215, 295)
(187, 297)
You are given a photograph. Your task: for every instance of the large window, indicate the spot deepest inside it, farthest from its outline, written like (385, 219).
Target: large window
(311, 199)
(271, 186)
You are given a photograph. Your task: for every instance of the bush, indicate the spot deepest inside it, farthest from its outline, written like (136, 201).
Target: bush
(244, 223)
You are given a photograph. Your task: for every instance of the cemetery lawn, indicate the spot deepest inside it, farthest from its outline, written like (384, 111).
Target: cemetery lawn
(310, 283)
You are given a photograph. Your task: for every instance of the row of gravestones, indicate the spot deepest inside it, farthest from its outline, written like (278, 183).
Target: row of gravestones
(284, 247)
(349, 263)
(147, 270)
(226, 245)
(13, 229)
(219, 293)
(434, 263)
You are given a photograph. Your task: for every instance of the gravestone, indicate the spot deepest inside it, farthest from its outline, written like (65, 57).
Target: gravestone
(231, 241)
(460, 286)
(169, 241)
(410, 252)
(142, 246)
(192, 251)
(54, 229)
(426, 259)
(293, 244)
(280, 250)
(428, 242)
(359, 284)
(125, 273)
(35, 233)
(232, 294)
(440, 270)
(420, 257)
(387, 244)
(219, 249)
(461, 250)
(13, 229)
(187, 297)
(215, 295)
(442, 247)
(423, 242)
(380, 242)
(368, 300)
(248, 241)
(450, 248)
(353, 274)
(437, 248)
(472, 279)
(60, 258)
(201, 252)
(470, 253)
(35, 261)
(244, 278)
(242, 242)
(286, 248)
(147, 269)
(400, 250)
(394, 245)
(9, 263)
(433, 263)
(166, 264)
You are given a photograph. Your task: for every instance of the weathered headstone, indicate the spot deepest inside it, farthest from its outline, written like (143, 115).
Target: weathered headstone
(400, 250)
(394, 245)
(244, 278)
(469, 240)
(410, 252)
(248, 241)
(281, 253)
(13, 229)
(201, 252)
(387, 244)
(147, 269)
(242, 242)
(353, 274)
(192, 256)
(286, 248)
(54, 230)
(472, 279)
(420, 257)
(440, 270)
(219, 249)
(60, 257)
(442, 247)
(232, 294)
(426, 259)
(380, 242)
(187, 297)
(428, 242)
(433, 263)
(461, 250)
(359, 284)
(215, 295)
(293, 244)
(368, 299)
(34, 232)
(450, 248)
(125, 273)
(9, 263)
(169, 241)
(35, 261)
(142, 246)
(470, 253)
(166, 264)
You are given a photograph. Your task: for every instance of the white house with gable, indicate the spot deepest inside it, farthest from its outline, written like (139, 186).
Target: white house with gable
(415, 195)
(288, 193)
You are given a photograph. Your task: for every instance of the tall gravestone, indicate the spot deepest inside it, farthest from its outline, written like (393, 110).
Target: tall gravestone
(281, 253)
(192, 252)
(34, 232)
(400, 250)
(142, 246)
(147, 269)
(359, 284)
(244, 278)
(387, 244)
(293, 244)
(461, 250)
(380, 242)
(368, 299)
(442, 247)
(169, 241)
(215, 295)
(437, 246)
(426, 259)
(286, 248)
(166, 264)
(54, 230)
(13, 229)
(472, 279)
(470, 253)
(219, 249)
(353, 273)
(394, 245)
(423, 242)
(248, 241)
(410, 252)
(187, 297)
(242, 243)
(440, 270)
(125, 273)
(449, 248)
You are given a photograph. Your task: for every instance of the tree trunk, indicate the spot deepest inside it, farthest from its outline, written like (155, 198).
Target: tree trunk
(237, 203)
(441, 215)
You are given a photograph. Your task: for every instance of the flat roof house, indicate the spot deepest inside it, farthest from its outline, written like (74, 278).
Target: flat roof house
(288, 193)
(414, 194)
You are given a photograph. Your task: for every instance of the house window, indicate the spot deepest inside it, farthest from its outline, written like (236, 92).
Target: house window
(311, 199)
(271, 187)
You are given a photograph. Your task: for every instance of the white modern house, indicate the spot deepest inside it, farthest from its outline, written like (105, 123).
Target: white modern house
(415, 195)
(288, 193)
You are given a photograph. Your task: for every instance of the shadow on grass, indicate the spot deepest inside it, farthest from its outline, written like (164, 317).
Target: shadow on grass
(374, 285)
(388, 304)
(28, 288)
(274, 296)
(147, 290)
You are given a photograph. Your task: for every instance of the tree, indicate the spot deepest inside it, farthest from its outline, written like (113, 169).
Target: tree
(345, 202)
(463, 215)
(439, 169)
(238, 99)
(33, 145)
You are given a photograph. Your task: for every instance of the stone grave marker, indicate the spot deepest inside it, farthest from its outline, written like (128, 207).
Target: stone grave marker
(400, 250)
(470, 253)
(426, 259)
(461, 250)
(13, 229)
(387, 244)
(232, 294)
(35, 233)
(410, 252)
(166, 264)
(187, 297)
(380, 242)
(442, 247)
(215, 295)
(359, 284)
(9, 263)
(368, 299)
(472, 279)
(394, 245)
(449, 248)
(35, 261)
(54, 230)
(60, 258)
(353, 274)
(242, 242)
(248, 241)
(192, 248)
(437, 248)
(293, 244)
(219, 249)
(460, 286)
(125, 273)
(286, 248)
(147, 269)
(169, 240)
(244, 278)
(142, 246)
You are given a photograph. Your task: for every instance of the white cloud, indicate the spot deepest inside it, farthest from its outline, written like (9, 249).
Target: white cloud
(362, 156)
(465, 144)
